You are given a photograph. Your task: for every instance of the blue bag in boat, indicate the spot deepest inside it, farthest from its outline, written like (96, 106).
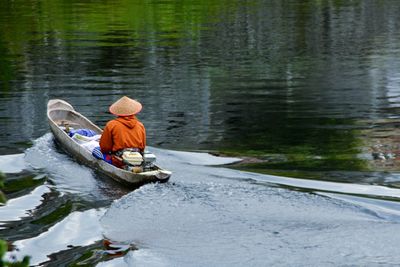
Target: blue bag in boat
(84, 132)
(100, 155)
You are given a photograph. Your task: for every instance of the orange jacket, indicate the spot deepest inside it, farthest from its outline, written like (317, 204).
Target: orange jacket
(123, 132)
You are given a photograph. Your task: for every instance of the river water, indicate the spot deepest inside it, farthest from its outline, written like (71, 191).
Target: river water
(300, 85)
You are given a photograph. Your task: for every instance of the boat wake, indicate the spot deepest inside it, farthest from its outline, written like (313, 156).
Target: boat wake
(196, 223)
(213, 214)
(66, 174)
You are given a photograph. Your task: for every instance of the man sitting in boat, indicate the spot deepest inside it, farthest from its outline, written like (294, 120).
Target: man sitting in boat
(123, 132)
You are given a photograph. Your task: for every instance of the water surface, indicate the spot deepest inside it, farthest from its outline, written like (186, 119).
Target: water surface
(308, 87)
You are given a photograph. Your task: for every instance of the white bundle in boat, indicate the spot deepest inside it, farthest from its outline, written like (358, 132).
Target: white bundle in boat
(80, 139)
(90, 145)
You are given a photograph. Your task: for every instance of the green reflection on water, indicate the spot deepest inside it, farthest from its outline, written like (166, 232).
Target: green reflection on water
(71, 20)
(299, 149)
(6, 70)
(57, 215)
(3, 198)
(22, 184)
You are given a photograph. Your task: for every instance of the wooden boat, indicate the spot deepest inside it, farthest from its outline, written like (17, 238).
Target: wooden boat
(61, 114)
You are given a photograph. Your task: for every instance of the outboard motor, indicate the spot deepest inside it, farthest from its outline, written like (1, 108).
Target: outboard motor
(149, 160)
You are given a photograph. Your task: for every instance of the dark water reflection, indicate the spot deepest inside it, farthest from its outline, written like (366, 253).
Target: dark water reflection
(266, 76)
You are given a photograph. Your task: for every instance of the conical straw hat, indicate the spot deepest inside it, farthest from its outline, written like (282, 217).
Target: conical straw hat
(125, 106)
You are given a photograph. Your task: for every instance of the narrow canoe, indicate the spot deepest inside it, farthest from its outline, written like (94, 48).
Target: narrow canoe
(61, 113)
